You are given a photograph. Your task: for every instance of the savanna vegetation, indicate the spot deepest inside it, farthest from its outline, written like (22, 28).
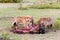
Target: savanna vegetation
(10, 1)
(5, 20)
(36, 10)
(46, 6)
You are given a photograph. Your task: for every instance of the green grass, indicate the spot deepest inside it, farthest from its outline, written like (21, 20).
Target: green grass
(46, 6)
(41, 6)
(36, 13)
(57, 23)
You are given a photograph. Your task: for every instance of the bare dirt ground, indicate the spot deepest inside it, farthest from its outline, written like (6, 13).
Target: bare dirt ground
(47, 36)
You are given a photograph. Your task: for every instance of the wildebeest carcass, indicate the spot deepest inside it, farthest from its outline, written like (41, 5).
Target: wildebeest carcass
(45, 24)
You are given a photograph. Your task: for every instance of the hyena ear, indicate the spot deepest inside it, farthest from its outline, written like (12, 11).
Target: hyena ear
(14, 24)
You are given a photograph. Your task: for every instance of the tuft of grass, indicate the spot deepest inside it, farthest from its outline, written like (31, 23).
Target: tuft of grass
(5, 36)
(41, 6)
(57, 23)
(46, 6)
